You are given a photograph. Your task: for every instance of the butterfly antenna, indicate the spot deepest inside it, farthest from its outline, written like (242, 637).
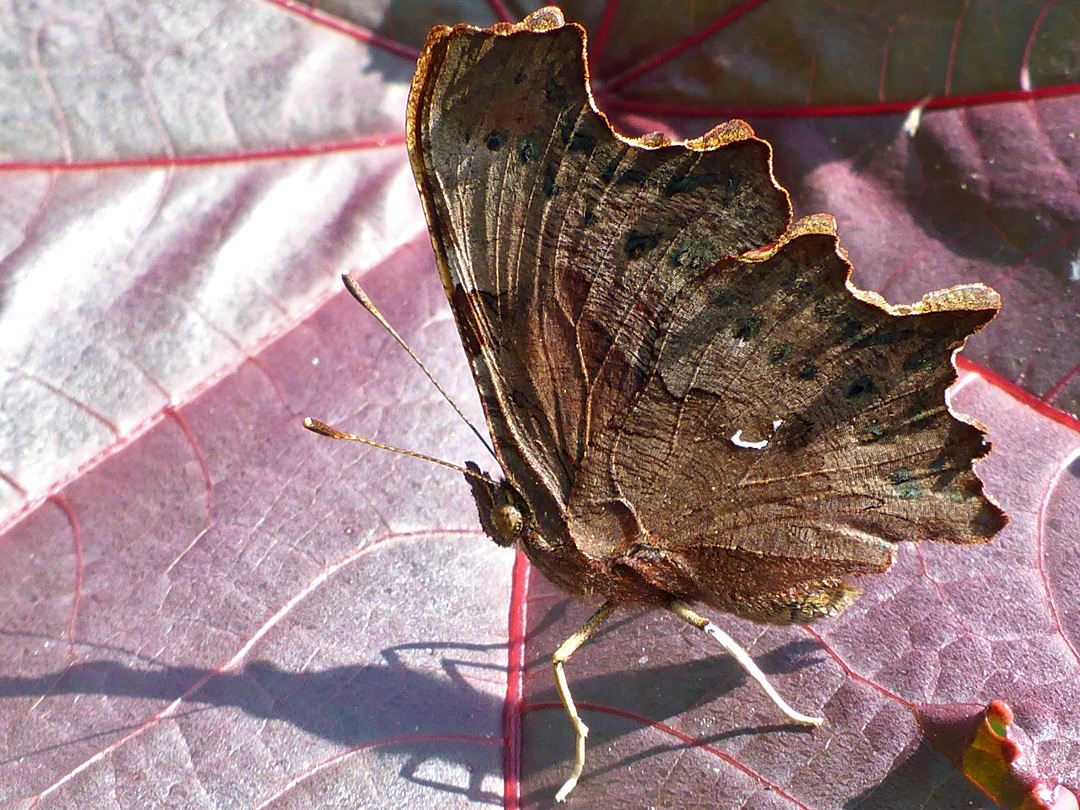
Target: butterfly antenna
(315, 426)
(361, 297)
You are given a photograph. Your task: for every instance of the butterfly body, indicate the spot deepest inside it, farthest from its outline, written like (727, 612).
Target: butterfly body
(688, 399)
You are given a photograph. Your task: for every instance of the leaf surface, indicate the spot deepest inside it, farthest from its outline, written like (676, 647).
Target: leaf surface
(202, 605)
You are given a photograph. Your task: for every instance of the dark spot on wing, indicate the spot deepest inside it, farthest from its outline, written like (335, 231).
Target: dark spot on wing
(582, 142)
(782, 353)
(495, 140)
(905, 488)
(608, 174)
(721, 300)
(554, 92)
(690, 182)
(748, 327)
(551, 188)
(908, 491)
(861, 387)
(693, 256)
(870, 434)
(850, 327)
(882, 338)
(638, 244)
(920, 360)
(923, 402)
(634, 176)
(528, 151)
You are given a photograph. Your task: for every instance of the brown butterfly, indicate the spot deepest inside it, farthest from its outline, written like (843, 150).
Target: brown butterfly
(687, 398)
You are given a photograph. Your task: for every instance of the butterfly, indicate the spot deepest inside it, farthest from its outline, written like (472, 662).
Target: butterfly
(689, 401)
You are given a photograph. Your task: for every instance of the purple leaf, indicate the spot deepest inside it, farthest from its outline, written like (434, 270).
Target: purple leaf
(203, 605)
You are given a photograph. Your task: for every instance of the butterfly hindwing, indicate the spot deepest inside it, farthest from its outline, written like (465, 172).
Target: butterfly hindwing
(802, 428)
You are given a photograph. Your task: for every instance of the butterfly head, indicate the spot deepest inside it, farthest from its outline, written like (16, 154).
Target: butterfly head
(503, 512)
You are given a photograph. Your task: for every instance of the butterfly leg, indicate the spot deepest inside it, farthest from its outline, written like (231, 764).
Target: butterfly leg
(561, 655)
(683, 611)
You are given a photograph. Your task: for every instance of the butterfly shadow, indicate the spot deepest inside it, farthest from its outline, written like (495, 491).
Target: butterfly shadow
(428, 716)
(395, 708)
(706, 679)
(620, 702)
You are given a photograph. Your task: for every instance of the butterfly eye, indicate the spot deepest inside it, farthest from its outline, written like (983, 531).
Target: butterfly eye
(508, 523)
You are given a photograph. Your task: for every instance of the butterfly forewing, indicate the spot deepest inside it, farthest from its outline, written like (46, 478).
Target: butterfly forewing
(559, 242)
